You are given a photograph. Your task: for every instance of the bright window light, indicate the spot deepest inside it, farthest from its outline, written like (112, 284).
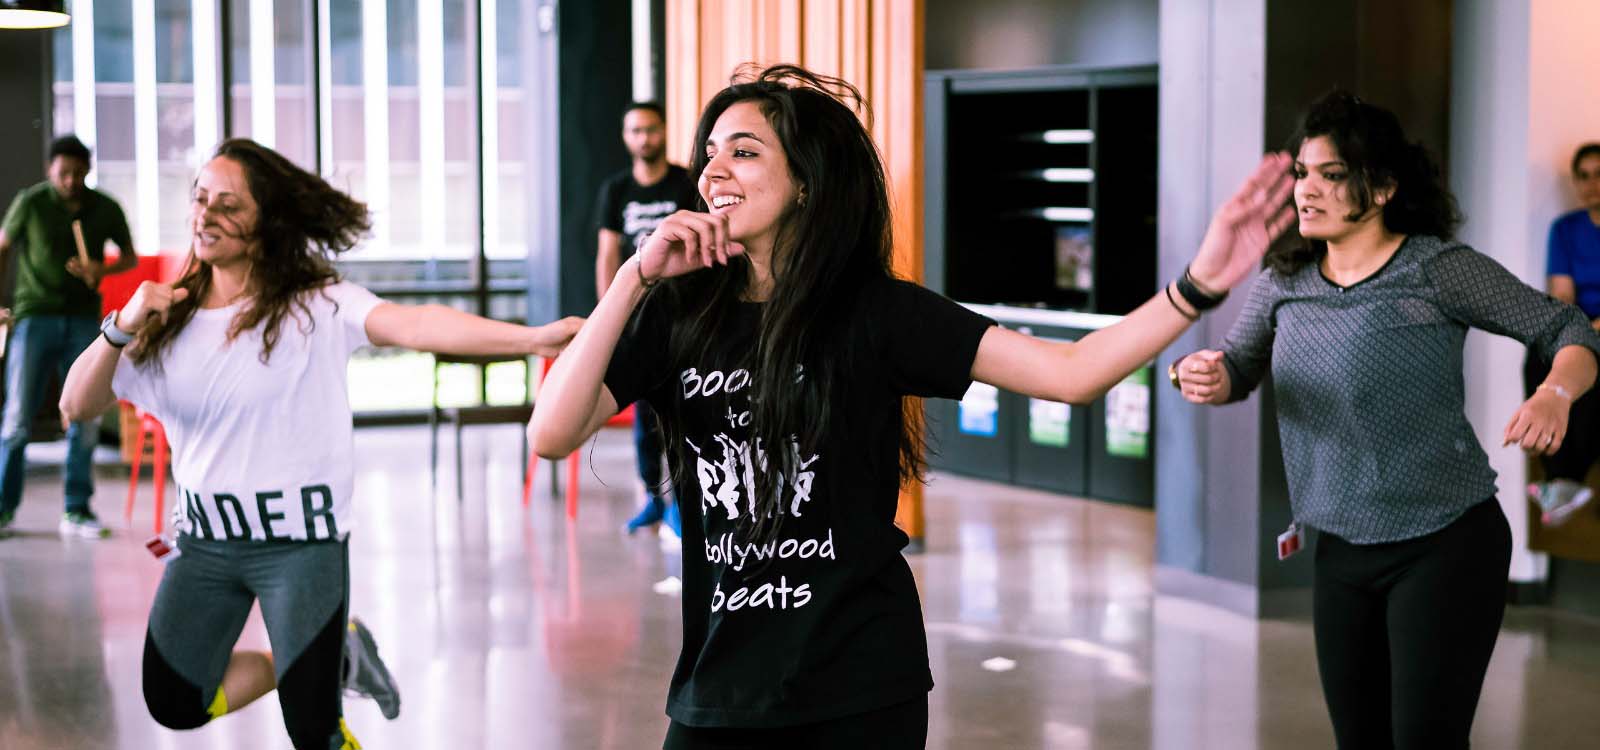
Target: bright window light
(1064, 174)
(1067, 214)
(1069, 136)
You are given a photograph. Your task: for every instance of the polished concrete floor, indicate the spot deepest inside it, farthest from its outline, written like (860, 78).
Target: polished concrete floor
(513, 629)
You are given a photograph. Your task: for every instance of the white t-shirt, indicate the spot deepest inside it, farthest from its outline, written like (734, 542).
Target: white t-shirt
(260, 451)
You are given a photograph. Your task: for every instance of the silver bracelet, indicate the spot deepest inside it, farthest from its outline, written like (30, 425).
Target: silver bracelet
(1558, 390)
(638, 252)
(646, 283)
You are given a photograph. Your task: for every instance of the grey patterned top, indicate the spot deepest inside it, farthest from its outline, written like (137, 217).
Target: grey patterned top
(1368, 380)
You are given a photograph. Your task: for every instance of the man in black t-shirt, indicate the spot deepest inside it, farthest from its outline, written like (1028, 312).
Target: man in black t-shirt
(631, 204)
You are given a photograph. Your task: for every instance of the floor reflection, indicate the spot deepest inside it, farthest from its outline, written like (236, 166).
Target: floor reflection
(517, 628)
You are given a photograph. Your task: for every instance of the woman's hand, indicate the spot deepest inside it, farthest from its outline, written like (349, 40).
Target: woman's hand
(686, 241)
(550, 338)
(1203, 379)
(1245, 226)
(1540, 424)
(150, 299)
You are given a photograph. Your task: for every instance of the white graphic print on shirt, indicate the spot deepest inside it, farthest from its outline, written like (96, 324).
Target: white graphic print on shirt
(262, 451)
(725, 468)
(643, 218)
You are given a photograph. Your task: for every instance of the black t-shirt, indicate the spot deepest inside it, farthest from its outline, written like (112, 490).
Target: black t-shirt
(634, 210)
(833, 625)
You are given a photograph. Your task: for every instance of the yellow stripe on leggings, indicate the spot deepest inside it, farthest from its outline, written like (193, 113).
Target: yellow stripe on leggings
(350, 742)
(219, 705)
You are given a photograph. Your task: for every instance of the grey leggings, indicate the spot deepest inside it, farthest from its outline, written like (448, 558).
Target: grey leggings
(200, 609)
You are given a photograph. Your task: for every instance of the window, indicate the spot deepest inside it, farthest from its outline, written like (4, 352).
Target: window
(400, 107)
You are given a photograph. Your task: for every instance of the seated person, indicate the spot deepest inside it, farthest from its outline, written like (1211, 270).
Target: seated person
(1574, 270)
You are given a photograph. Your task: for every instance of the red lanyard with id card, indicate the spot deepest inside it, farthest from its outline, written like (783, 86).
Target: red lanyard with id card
(164, 546)
(1291, 540)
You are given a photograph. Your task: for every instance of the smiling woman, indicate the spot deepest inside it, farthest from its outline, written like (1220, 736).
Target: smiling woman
(777, 348)
(244, 360)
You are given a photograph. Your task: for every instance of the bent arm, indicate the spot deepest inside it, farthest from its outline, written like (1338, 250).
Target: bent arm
(1573, 369)
(87, 393)
(126, 259)
(1563, 288)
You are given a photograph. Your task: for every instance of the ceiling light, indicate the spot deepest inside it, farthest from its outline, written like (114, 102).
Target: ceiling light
(33, 14)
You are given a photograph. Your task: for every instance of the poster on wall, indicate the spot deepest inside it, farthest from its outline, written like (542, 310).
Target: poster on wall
(1074, 258)
(1049, 423)
(1128, 417)
(980, 410)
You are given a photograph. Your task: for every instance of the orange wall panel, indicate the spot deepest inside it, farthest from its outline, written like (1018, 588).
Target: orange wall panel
(874, 44)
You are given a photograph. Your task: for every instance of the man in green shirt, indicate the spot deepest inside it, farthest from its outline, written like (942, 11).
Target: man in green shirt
(55, 226)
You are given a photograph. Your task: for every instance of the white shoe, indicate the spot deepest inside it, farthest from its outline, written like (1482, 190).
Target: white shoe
(82, 524)
(1559, 499)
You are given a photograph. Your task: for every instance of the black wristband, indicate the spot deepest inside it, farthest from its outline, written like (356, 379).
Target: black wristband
(1176, 306)
(1197, 299)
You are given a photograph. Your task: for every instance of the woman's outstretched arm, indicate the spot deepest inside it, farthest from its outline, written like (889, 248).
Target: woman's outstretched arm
(1081, 371)
(445, 330)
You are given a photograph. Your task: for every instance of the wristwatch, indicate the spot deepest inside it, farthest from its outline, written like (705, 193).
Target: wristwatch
(114, 335)
(1172, 374)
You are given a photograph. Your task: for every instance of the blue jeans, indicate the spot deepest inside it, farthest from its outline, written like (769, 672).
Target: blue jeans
(42, 345)
(648, 451)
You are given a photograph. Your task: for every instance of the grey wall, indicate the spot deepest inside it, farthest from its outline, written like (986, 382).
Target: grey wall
(1208, 492)
(1027, 33)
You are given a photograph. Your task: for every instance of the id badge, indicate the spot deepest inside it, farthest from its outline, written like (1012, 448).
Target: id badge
(1291, 541)
(162, 548)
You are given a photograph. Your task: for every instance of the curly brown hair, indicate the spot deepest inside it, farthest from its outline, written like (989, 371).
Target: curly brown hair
(1373, 145)
(302, 222)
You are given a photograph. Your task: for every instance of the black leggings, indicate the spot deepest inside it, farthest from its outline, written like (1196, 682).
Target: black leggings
(903, 726)
(1404, 631)
(1581, 446)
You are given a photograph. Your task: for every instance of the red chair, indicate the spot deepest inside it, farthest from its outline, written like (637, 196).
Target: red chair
(149, 429)
(623, 418)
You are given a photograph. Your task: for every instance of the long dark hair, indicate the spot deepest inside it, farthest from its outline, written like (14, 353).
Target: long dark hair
(830, 249)
(1374, 147)
(301, 223)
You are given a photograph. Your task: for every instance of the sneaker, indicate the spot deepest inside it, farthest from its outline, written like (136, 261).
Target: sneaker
(652, 513)
(82, 523)
(364, 672)
(1558, 500)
